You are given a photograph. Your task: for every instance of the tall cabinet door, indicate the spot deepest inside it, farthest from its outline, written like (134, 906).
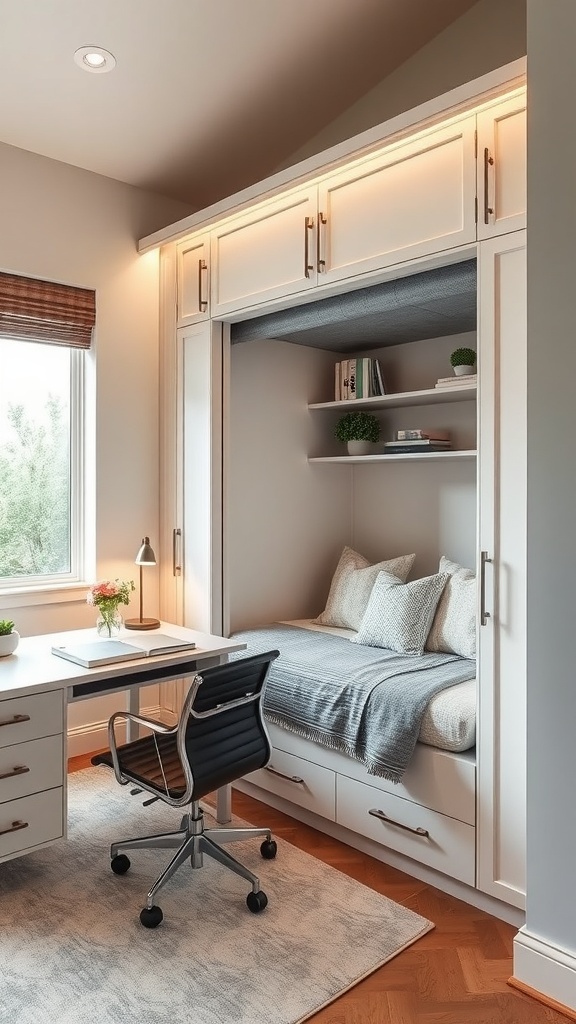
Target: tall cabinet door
(502, 167)
(502, 576)
(199, 485)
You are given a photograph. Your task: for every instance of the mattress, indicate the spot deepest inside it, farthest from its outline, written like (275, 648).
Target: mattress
(449, 721)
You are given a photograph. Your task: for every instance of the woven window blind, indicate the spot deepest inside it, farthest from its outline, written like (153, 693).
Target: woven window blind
(33, 310)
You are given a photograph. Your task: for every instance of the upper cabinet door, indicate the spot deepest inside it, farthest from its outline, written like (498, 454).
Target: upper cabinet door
(413, 199)
(265, 254)
(502, 168)
(192, 270)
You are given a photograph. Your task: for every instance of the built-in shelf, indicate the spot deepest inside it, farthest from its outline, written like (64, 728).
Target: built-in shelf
(408, 457)
(432, 396)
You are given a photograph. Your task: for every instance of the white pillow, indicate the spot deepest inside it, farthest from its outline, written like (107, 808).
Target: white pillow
(454, 626)
(352, 585)
(399, 615)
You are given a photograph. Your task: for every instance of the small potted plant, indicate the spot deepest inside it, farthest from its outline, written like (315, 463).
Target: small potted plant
(9, 638)
(360, 431)
(463, 361)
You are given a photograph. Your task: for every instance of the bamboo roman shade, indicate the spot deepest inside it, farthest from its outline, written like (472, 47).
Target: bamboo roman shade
(59, 314)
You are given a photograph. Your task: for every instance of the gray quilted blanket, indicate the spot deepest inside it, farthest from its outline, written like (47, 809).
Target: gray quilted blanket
(366, 702)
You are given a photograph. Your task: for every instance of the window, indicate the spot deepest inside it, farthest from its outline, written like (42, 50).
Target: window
(42, 343)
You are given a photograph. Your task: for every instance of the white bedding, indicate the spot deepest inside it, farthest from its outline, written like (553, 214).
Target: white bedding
(449, 721)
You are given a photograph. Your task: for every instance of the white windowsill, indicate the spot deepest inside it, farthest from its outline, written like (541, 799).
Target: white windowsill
(55, 594)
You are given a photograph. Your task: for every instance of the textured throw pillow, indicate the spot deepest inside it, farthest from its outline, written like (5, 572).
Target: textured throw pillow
(454, 626)
(399, 615)
(352, 585)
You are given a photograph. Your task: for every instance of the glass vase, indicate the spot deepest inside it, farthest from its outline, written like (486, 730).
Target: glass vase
(109, 622)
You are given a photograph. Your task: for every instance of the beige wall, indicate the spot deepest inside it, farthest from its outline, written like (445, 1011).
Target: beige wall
(491, 34)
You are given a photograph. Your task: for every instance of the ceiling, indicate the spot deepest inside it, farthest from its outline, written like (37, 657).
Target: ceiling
(207, 96)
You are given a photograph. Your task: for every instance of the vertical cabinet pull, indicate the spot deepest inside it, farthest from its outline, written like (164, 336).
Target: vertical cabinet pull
(176, 567)
(308, 227)
(484, 615)
(321, 263)
(488, 162)
(202, 303)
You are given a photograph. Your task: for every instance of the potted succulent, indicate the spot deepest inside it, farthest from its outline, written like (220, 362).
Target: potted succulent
(463, 361)
(359, 430)
(9, 638)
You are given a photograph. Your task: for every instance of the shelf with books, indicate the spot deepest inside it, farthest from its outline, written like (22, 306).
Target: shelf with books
(407, 457)
(431, 396)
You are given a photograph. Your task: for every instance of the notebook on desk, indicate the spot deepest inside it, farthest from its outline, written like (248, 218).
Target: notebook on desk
(107, 652)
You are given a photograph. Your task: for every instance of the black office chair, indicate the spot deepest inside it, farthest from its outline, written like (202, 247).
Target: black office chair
(220, 737)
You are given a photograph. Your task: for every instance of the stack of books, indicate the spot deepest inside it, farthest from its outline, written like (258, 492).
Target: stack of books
(450, 382)
(358, 378)
(417, 441)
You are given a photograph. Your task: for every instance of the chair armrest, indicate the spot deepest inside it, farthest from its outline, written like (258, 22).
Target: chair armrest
(150, 723)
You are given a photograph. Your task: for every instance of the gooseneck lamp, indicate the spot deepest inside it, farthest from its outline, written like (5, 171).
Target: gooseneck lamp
(145, 556)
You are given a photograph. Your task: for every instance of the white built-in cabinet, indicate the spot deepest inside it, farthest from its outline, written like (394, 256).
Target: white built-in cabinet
(502, 569)
(193, 280)
(501, 167)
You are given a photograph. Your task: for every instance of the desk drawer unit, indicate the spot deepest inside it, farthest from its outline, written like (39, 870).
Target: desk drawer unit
(28, 718)
(427, 836)
(31, 767)
(303, 783)
(30, 822)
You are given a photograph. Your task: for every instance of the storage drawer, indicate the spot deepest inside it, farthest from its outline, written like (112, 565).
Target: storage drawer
(30, 767)
(28, 822)
(27, 718)
(303, 783)
(444, 844)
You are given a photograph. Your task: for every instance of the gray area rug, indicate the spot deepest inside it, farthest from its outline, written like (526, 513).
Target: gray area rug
(72, 950)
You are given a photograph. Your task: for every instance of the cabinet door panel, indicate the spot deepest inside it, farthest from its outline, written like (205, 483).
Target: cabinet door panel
(265, 254)
(414, 199)
(502, 168)
(502, 639)
(192, 260)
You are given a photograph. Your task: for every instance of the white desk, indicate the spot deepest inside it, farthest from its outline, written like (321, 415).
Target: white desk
(35, 688)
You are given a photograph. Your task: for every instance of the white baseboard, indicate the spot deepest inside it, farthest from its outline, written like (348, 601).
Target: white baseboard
(550, 970)
(84, 739)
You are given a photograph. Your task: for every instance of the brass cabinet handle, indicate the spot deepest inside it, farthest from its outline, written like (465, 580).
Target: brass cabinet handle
(484, 560)
(321, 222)
(308, 227)
(176, 568)
(289, 778)
(488, 162)
(398, 824)
(15, 720)
(15, 827)
(202, 303)
(20, 769)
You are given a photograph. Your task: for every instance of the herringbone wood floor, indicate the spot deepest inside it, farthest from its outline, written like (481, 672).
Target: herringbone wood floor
(456, 974)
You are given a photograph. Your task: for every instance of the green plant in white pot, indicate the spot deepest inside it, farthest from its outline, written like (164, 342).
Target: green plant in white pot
(360, 431)
(463, 360)
(9, 638)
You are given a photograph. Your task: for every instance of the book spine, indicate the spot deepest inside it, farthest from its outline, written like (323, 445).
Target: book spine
(344, 379)
(367, 378)
(337, 384)
(352, 378)
(381, 385)
(360, 378)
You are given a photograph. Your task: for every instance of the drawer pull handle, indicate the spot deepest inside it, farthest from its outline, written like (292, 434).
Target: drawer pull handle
(289, 778)
(14, 827)
(15, 720)
(390, 821)
(20, 769)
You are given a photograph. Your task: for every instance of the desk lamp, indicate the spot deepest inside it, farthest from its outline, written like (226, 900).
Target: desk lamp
(145, 556)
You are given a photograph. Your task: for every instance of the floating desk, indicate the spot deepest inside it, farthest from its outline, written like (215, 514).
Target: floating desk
(36, 687)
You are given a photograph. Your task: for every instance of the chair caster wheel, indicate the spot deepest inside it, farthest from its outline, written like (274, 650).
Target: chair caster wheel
(120, 864)
(269, 849)
(151, 918)
(256, 901)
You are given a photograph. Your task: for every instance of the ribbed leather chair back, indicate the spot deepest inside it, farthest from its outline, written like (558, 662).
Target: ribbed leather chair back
(223, 748)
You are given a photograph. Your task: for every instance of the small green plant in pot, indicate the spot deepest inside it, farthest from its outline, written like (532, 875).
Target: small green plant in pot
(9, 638)
(463, 361)
(360, 431)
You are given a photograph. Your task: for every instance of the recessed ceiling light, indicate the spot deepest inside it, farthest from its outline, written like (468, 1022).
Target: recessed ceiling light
(95, 59)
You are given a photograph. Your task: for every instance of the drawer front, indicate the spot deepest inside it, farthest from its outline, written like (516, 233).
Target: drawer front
(28, 718)
(41, 815)
(31, 767)
(299, 781)
(448, 845)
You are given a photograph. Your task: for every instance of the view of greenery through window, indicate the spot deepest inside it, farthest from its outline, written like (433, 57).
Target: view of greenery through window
(34, 459)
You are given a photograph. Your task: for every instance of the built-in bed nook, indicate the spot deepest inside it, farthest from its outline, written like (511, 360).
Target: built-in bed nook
(365, 567)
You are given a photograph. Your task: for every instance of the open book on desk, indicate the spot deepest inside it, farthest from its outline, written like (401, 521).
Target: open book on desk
(107, 652)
